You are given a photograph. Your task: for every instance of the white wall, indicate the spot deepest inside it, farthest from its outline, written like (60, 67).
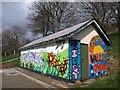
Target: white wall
(51, 47)
(86, 34)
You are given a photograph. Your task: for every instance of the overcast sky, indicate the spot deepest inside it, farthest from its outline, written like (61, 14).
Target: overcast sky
(15, 13)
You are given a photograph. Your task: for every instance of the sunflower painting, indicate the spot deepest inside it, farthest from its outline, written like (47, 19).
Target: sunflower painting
(97, 49)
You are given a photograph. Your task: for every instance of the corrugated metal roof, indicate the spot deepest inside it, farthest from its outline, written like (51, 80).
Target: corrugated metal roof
(55, 35)
(66, 32)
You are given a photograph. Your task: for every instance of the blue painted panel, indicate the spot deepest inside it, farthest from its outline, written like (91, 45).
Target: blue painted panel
(98, 68)
(74, 60)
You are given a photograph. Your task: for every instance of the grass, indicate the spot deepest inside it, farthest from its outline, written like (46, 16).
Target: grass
(113, 50)
(8, 57)
(11, 64)
(14, 63)
(111, 82)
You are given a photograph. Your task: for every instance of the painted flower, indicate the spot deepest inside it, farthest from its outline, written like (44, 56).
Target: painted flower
(51, 63)
(66, 62)
(38, 56)
(26, 64)
(41, 63)
(22, 64)
(57, 62)
(62, 69)
(63, 66)
(51, 58)
(31, 65)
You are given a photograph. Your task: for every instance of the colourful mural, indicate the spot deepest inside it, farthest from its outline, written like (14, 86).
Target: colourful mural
(50, 60)
(98, 57)
(74, 60)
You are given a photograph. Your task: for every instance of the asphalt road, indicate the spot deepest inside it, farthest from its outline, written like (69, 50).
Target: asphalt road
(15, 79)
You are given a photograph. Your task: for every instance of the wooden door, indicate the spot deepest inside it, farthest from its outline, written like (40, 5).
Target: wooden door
(84, 61)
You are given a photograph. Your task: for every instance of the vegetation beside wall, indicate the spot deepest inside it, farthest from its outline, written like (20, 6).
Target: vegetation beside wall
(11, 64)
(8, 57)
(111, 82)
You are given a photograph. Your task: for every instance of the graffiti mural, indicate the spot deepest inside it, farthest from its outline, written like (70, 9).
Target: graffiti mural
(54, 61)
(74, 60)
(50, 60)
(98, 57)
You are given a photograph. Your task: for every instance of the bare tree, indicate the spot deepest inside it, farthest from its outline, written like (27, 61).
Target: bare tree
(105, 12)
(12, 39)
(5, 42)
(46, 17)
(17, 36)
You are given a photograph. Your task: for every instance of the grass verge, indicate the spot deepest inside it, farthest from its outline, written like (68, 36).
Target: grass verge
(111, 82)
(11, 64)
(8, 57)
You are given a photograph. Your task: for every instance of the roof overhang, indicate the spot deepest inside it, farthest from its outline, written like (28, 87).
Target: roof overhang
(99, 30)
(93, 21)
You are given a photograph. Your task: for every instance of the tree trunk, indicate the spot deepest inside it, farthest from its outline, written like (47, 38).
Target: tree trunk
(14, 52)
(5, 53)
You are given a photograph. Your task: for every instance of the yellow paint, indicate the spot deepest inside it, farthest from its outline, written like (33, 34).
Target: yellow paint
(50, 58)
(98, 49)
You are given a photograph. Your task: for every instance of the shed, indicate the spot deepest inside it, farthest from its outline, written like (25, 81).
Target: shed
(76, 53)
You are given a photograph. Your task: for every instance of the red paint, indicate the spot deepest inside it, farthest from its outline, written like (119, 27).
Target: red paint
(98, 67)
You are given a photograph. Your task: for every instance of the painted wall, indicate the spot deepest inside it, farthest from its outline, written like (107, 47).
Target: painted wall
(98, 57)
(62, 59)
(74, 60)
(52, 60)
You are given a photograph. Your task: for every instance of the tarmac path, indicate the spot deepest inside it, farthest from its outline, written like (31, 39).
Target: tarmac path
(12, 78)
